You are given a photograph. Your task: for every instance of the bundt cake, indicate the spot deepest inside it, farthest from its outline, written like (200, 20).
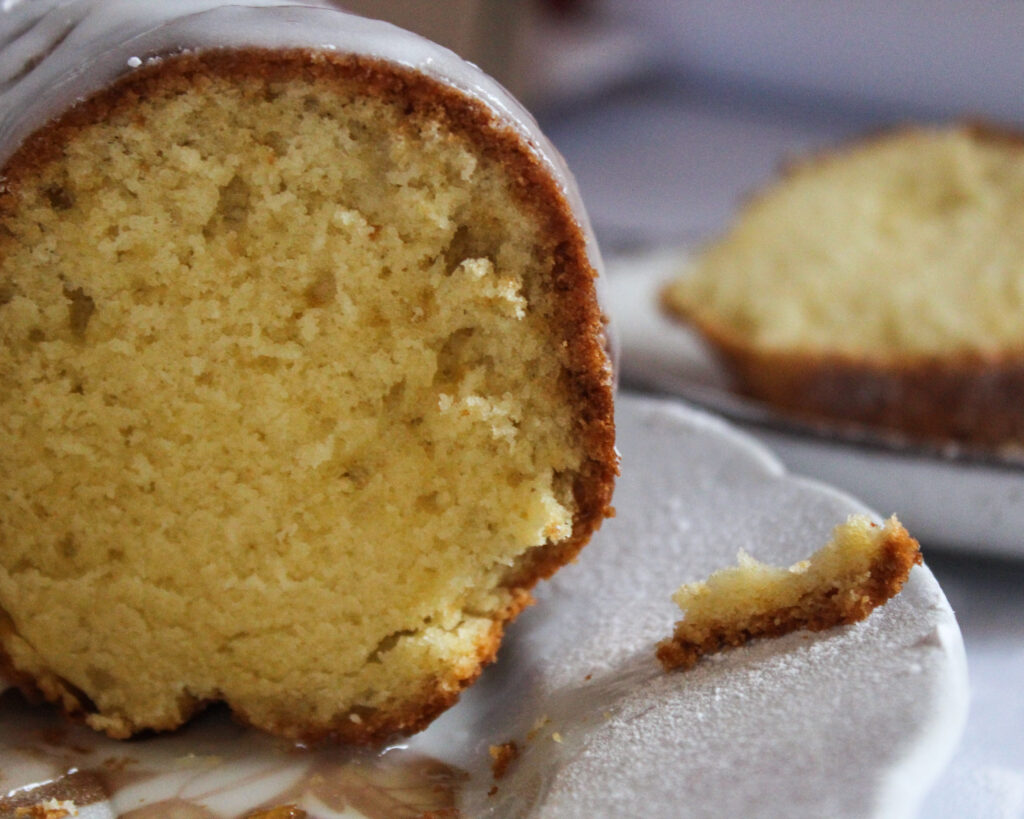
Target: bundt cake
(303, 380)
(859, 569)
(881, 285)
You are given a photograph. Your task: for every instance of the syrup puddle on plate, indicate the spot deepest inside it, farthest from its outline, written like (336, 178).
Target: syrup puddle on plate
(210, 768)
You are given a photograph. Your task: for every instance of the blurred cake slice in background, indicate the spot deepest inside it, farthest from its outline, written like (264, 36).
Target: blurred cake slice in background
(879, 285)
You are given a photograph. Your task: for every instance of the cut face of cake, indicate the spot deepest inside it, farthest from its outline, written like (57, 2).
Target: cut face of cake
(303, 384)
(859, 569)
(880, 284)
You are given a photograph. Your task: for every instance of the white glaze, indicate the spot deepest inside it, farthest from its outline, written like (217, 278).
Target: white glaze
(107, 38)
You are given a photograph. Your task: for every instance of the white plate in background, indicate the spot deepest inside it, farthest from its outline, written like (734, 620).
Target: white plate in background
(857, 721)
(949, 497)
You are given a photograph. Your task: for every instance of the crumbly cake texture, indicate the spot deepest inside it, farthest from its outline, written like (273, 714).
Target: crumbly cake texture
(862, 567)
(880, 285)
(303, 385)
(502, 756)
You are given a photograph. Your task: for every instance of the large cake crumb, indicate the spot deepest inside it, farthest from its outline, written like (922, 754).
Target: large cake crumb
(859, 569)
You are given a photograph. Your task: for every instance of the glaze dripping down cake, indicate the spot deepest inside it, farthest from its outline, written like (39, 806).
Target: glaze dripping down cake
(303, 385)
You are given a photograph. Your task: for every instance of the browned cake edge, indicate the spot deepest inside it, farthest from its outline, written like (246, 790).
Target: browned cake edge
(588, 374)
(970, 398)
(820, 610)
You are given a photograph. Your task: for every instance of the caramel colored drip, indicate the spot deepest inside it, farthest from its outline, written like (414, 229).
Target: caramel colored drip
(79, 787)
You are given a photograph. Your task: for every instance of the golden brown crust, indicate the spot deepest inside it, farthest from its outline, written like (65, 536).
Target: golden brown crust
(356, 727)
(898, 554)
(588, 375)
(374, 727)
(969, 398)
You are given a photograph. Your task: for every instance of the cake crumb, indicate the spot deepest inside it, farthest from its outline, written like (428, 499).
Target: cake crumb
(538, 723)
(502, 756)
(50, 809)
(860, 568)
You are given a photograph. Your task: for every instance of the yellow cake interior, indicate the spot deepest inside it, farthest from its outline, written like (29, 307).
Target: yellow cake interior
(904, 245)
(282, 400)
(751, 588)
(861, 567)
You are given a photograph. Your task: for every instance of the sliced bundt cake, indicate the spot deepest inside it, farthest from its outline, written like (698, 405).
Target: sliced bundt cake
(303, 385)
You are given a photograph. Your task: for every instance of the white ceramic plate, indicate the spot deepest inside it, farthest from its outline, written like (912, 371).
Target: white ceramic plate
(967, 500)
(853, 722)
